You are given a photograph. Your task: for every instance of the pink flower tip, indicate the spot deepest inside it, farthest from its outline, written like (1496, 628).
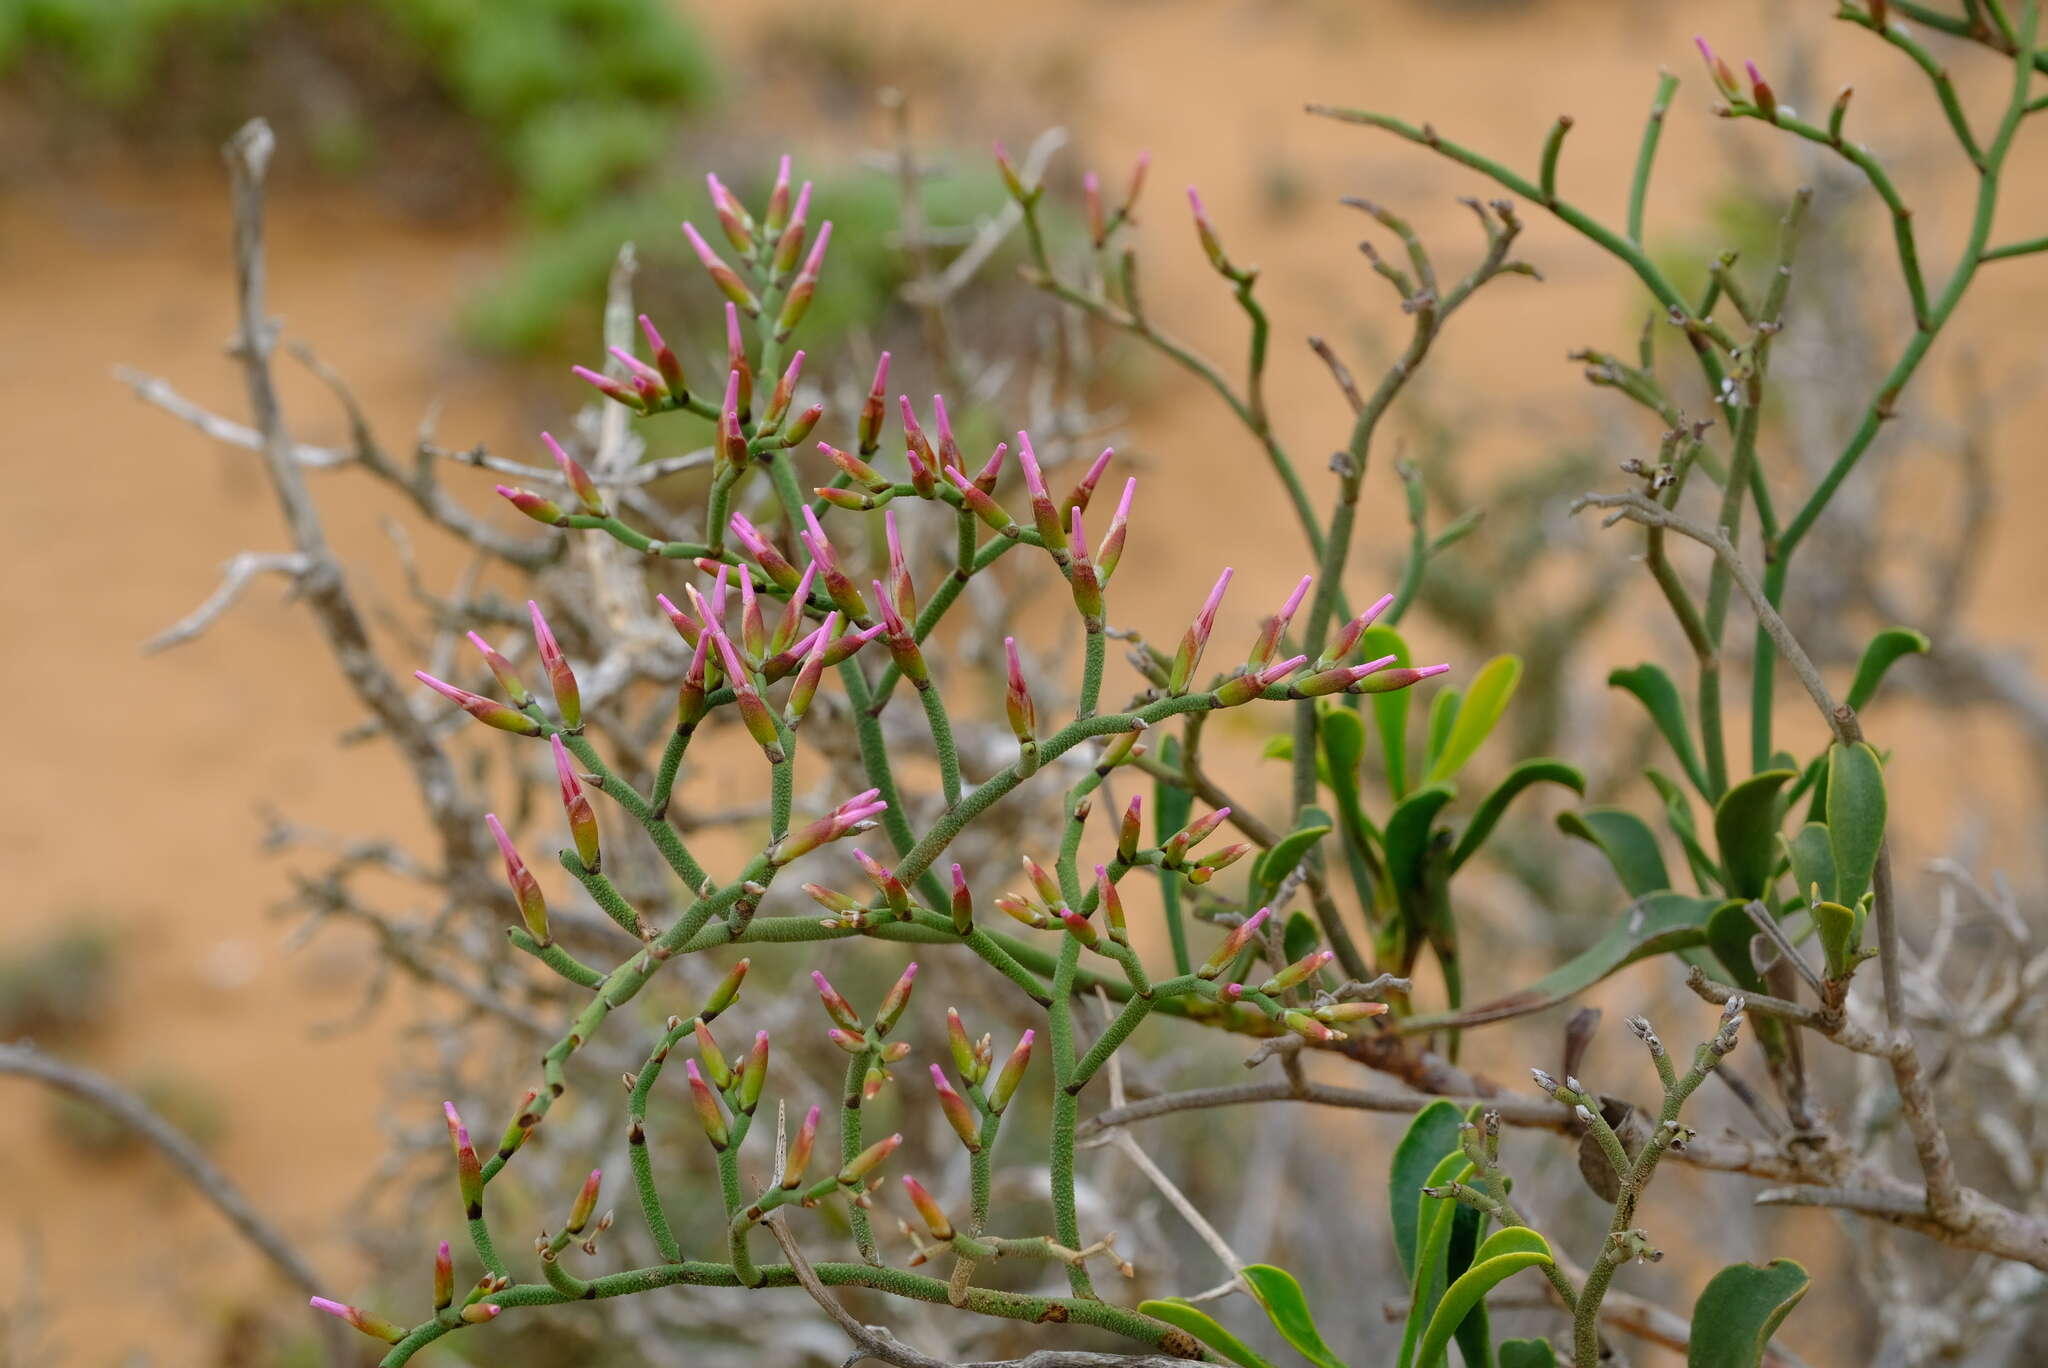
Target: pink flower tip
(1428, 670)
(332, 1308)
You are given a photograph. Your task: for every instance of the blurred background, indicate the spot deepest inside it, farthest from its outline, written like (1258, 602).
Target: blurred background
(453, 181)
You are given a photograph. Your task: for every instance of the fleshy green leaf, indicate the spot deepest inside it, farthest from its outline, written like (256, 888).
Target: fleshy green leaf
(1729, 932)
(1506, 1252)
(1739, 1310)
(1841, 936)
(1678, 815)
(1856, 814)
(1390, 710)
(1880, 655)
(1300, 937)
(1812, 858)
(1490, 810)
(1205, 1328)
(1660, 696)
(1443, 714)
(1746, 829)
(1626, 841)
(1484, 702)
(1429, 1137)
(1408, 833)
(1287, 1308)
(1528, 1353)
(1287, 852)
(1652, 925)
(1433, 1234)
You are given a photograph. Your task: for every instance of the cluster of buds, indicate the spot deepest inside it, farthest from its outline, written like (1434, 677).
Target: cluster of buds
(718, 1088)
(522, 716)
(1174, 854)
(1103, 225)
(852, 914)
(986, 1096)
(866, 1040)
(852, 817)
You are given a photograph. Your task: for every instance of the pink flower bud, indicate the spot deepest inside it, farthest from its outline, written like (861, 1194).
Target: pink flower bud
(488, 711)
(1084, 490)
(1388, 681)
(790, 245)
(806, 686)
(713, 1058)
(1348, 635)
(732, 437)
(963, 903)
(1130, 831)
(760, 723)
(1760, 91)
(842, 589)
(1205, 232)
(1081, 576)
(444, 1278)
(1350, 1011)
(469, 1175)
(884, 879)
(1716, 68)
(785, 390)
(709, 1114)
(798, 302)
(375, 1326)
(732, 216)
(754, 1074)
(1012, 1074)
(962, 1048)
(533, 908)
(800, 1149)
(649, 384)
(576, 804)
(508, 678)
(541, 509)
(1048, 887)
(665, 360)
(981, 504)
(933, 1215)
(1298, 973)
(1193, 834)
(726, 990)
(1112, 549)
(778, 198)
(568, 698)
(897, 998)
(1189, 656)
(1079, 927)
(1017, 702)
(1275, 627)
(1091, 199)
(1047, 519)
(585, 1205)
(1112, 906)
(615, 390)
(753, 626)
(723, 276)
(859, 471)
(991, 472)
(836, 1005)
(902, 593)
(1012, 181)
(1233, 944)
(476, 1313)
(1022, 910)
(1306, 1026)
(958, 1114)
(868, 1160)
(1211, 864)
(870, 426)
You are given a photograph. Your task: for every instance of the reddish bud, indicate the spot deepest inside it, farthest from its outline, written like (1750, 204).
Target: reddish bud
(1233, 944)
(806, 686)
(568, 698)
(897, 998)
(576, 805)
(841, 821)
(732, 437)
(1299, 972)
(1350, 1011)
(1275, 627)
(1760, 91)
(1189, 656)
(842, 589)
(800, 1149)
(798, 302)
(933, 1214)
(902, 592)
(476, 1313)
(444, 1277)
(790, 245)
(1388, 681)
(870, 425)
(1022, 910)
(508, 678)
(732, 216)
(371, 1324)
(836, 1005)
(1012, 181)
(709, 1114)
(537, 507)
(1084, 490)
(585, 1205)
(754, 1073)
(964, 1058)
(469, 1174)
(1079, 927)
(1205, 232)
(978, 502)
(616, 390)
(533, 908)
(959, 1115)
(488, 711)
(868, 1160)
(1348, 636)
(1017, 698)
(884, 879)
(963, 903)
(1718, 69)
(1112, 549)
(664, 360)
(1012, 1074)
(723, 276)
(1206, 868)
(715, 1067)
(1129, 832)
(1193, 834)
(1112, 906)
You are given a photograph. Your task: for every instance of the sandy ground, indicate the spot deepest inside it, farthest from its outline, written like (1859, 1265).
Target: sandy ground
(135, 781)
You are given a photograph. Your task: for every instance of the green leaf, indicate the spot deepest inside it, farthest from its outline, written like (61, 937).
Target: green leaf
(1528, 1353)
(1506, 1252)
(1880, 655)
(1443, 714)
(1626, 841)
(1433, 1234)
(1490, 810)
(1841, 936)
(1287, 852)
(1203, 1327)
(1300, 937)
(1856, 813)
(1287, 1308)
(1812, 859)
(1408, 833)
(1739, 1310)
(1652, 925)
(1390, 710)
(1746, 829)
(1660, 696)
(1429, 1137)
(1678, 815)
(1729, 932)
(1484, 702)
(1278, 748)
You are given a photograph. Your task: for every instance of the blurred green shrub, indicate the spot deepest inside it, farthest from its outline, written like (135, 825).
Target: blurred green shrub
(572, 97)
(55, 986)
